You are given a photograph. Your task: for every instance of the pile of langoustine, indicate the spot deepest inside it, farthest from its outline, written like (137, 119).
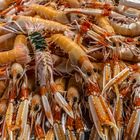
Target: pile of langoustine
(69, 70)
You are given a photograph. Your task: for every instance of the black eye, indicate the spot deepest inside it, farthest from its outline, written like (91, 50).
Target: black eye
(139, 39)
(74, 99)
(89, 73)
(134, 81)
(36, 108)
(95, 70)
(18, 76)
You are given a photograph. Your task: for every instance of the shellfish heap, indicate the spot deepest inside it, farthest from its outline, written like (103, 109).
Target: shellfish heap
(69, 70)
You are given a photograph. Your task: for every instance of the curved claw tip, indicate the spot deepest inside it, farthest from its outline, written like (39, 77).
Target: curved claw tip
(63, 104)
(70, 113)
(113, 125)
(50, 121)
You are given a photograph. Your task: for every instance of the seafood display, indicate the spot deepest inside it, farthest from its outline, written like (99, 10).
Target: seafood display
(69, 70)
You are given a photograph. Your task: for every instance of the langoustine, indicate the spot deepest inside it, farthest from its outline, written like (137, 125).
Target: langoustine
(71, 68)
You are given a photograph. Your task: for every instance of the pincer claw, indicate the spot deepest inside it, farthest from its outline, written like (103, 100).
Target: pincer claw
(101, 115)
(62, 103)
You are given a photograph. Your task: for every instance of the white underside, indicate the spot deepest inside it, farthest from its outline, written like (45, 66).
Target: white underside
(131, 3)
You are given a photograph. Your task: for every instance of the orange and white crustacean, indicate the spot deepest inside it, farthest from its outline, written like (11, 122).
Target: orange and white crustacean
(69, 69)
